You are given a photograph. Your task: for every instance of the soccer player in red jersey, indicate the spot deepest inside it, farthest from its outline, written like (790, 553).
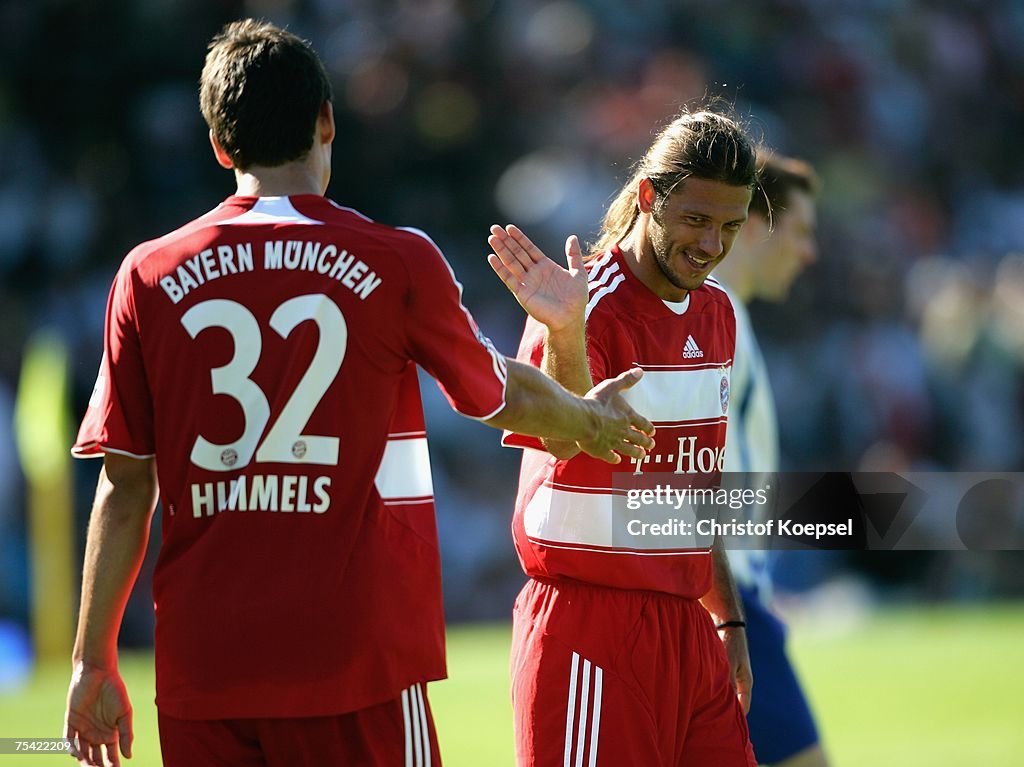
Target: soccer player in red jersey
(615, 655)
(259, 374)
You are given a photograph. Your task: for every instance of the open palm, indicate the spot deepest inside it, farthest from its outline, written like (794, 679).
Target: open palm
(553, 295)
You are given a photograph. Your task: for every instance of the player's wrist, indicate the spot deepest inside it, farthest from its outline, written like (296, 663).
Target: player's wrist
(593, 417)
(733, 624)
(566, 336)
(84, 667)
(94, 656)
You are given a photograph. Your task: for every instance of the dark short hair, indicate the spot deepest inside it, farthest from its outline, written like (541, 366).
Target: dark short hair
(779, 176)
(261, 92)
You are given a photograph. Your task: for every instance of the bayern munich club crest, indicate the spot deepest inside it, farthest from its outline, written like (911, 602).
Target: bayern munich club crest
(723, 393)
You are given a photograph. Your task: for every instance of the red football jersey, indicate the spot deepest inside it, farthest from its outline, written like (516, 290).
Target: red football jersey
(565, 522)
(264, 353)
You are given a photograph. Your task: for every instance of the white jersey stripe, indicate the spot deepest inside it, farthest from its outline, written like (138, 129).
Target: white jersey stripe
(489, 416)
(584, 488)
(606, 275)
(417, 746)
(424, 727)
(498, 363)
(269, 210)
(556, 516)
(686, 365)
(562, 516)
(592, 266)
(581, 736)
(404, 470)
(715, 284)
(351, 210)
(571, 710)
(408, 728)
(595, 274)
(410, 501)
(596, 298)
(595, 724)
(622, 552)
(684, 424)
(673, 395)
(96, 450)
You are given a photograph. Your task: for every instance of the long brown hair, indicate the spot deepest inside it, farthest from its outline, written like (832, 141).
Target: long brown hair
(705, 144)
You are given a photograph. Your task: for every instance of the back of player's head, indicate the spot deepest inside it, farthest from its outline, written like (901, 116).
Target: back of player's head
(779, 177)
(261, 92)
(707, 144)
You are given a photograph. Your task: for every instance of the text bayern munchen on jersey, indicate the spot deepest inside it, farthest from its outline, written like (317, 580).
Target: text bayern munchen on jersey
(296, 255)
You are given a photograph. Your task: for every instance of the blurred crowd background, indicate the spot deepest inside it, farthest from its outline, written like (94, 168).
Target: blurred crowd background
(903, 348)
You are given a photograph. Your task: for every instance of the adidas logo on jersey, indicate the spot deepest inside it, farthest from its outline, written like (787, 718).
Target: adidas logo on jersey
(691, 350)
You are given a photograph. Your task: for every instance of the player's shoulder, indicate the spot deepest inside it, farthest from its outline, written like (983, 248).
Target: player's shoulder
(405, 239)
(606, 278)
(151, 257)
(717, 294)
(715, 298)
(359, 232)
(172, 240)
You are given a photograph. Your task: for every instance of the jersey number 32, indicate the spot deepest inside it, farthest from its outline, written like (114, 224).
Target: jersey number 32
(234, 381)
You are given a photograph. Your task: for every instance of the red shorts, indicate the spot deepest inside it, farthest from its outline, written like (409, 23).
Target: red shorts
(399, 733)
(608, 677)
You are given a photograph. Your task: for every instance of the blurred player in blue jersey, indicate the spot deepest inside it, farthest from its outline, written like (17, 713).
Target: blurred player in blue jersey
(773, 248)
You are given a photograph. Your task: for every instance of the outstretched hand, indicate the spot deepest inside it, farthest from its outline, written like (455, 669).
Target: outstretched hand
(556, 297)
(98, 720)
(623, 432)
(553, 295)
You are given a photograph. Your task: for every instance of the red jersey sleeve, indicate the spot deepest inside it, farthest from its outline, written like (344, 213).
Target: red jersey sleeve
(445, 339)
(119, 418)
(531, 352)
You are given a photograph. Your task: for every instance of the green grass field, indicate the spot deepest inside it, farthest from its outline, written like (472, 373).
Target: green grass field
(905, 686)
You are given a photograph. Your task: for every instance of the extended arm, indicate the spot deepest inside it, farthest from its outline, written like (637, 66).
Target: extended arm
(99, 713)
(600, 424)
(723, 602)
